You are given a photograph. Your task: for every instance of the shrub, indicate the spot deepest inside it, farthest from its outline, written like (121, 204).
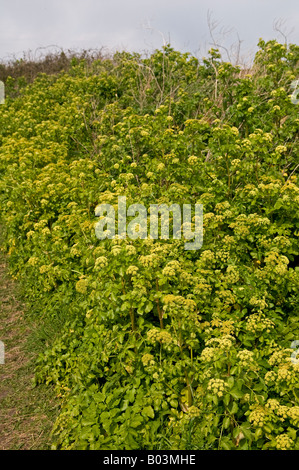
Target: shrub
(161, 347)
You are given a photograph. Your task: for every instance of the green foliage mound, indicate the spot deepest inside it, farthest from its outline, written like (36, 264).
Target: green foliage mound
(161, 348)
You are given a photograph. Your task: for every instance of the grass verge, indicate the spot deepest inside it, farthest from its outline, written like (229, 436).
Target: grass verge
(27, 413)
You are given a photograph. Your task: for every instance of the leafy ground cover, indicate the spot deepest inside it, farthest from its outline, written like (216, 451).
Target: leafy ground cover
(159, 347)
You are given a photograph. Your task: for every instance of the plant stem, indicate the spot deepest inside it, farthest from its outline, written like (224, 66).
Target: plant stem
(160, 311)
(131, 312)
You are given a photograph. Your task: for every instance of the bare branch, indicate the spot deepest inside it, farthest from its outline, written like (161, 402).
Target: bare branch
(279, 27)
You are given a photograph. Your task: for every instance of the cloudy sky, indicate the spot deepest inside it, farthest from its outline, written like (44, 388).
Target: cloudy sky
(142, 25)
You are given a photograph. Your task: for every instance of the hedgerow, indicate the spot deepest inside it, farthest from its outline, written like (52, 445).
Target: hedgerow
(162, 348)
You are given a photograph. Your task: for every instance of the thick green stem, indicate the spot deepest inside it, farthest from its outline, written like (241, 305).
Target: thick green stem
(190, 397)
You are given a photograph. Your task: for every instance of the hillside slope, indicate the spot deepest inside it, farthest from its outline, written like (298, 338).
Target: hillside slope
(161, 347)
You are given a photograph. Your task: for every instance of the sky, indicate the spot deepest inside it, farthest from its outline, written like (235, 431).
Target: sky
(39, 26)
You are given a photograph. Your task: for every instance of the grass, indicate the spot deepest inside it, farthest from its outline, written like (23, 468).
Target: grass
(27, 413)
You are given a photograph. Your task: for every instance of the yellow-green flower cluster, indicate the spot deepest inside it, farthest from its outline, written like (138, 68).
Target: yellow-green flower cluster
(101, 262)
(193, 411)
(131, 250)
(148, 260)
(281, 149)
(277, 264)
(178, 301)
(160, 166)
(126, 177)
(33, 261)
(41, 224)
(161, 336)
(258, 322)
(81, 286)
(245, 357)
(192, 160)
(261, 304)
(225, 342)
(282, 412)
(171, 269)
(258, 416)
(273, 258)
(235, 162)
(148, 359)
(44, 269)
(232, 275)
(246, 397)
(284, 373)
(293, 414)
(272, 404)
(284, 442)
(116, 250)
(280, 356)
(270, 377)
(217, 386)
(207, 256)
(282, 242)
(280, 269)
(208, 355)
(202, 288)
(30, 233)
(75, 250)
(132, 270)
(220, 206)
(227, 296)
(222, 255)
(46, 231)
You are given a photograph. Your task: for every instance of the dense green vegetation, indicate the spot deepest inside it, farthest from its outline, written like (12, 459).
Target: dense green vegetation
(161, 348)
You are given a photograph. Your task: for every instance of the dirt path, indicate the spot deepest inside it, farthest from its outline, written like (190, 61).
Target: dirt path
(26, 413)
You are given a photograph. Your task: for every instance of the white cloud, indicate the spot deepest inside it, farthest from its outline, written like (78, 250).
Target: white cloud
(137, 24)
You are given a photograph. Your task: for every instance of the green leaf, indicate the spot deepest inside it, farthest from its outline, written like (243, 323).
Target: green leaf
(230, 381)
(136, 421)
(215, 400)
(121, 271)
(131, 395)
(148, 411)
(236, 393)
(234, 408)
(125, 405)
(226, 422)
(226, 399)
(148, 307)
(225, 445)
